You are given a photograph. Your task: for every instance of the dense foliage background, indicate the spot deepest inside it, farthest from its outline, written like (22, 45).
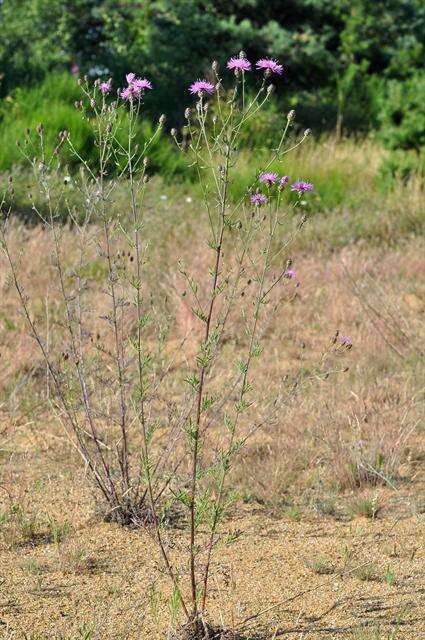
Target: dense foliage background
(350, 65)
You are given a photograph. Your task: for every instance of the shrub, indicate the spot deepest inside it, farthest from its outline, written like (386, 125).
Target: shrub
(52, 103)
(402, 120)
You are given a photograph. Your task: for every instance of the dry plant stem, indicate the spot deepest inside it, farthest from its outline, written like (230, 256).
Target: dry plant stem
(260, 299)
(218, 249)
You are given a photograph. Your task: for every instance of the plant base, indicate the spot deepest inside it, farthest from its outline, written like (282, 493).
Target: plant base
(204, 631)
(127, 515)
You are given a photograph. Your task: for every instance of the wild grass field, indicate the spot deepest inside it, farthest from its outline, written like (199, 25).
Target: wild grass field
(325, 532)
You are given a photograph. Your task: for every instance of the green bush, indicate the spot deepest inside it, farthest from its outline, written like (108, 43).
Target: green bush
(52, 104)
(402, 114)
(402, 119)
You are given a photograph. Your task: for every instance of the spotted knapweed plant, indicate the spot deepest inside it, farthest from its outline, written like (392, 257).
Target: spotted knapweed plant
(158, 432)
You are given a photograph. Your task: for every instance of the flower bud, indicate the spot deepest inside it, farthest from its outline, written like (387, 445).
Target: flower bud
(145, 161)
(242, 55)
(307, 133)
(215, 119)
(40, 128)
(92, 103)
(145, 179)
(173, 132)
(270, 88)
(162, 119)
(187, 113)
(291, 115)
(214, 65)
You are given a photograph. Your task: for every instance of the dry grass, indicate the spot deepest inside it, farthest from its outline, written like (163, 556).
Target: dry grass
(336, 450)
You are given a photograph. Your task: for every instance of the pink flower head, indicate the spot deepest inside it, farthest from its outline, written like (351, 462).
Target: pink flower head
(268, 178)
(139, 84)
(259, 199)
(302, 186)
(269, 63)
(201, 86)
(126, 94)
(291, 274)
(241, 64)
(105, 87)
(346, 342)
(135, 87)
(284, 180)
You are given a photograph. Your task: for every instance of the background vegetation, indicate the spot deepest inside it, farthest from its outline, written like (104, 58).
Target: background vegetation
(353, 67)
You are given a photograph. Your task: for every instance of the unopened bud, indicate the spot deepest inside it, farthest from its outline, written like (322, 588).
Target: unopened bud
(145, 179)
(267, 73)
(173, 132)
(146, 161)
(92, 103)
(270, 88)
(215, 119)
(162, 119)
(291, 115)
(187, 113)
(214, 65)
(218, 86)
(40, 128)
(302, 221)
(206, 107)
(242, 55)
(79, 82)
(307, 133)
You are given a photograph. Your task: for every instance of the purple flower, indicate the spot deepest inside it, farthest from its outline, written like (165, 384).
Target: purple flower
(105, 87)
(269, 63)
(284, 180)
(268, 178)
(291, 274)
(135, 87)
(242, 64)
(126, 94)
(139, 84)
(301, 186)
(345, 341)
(259, 199)
(201, 86)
